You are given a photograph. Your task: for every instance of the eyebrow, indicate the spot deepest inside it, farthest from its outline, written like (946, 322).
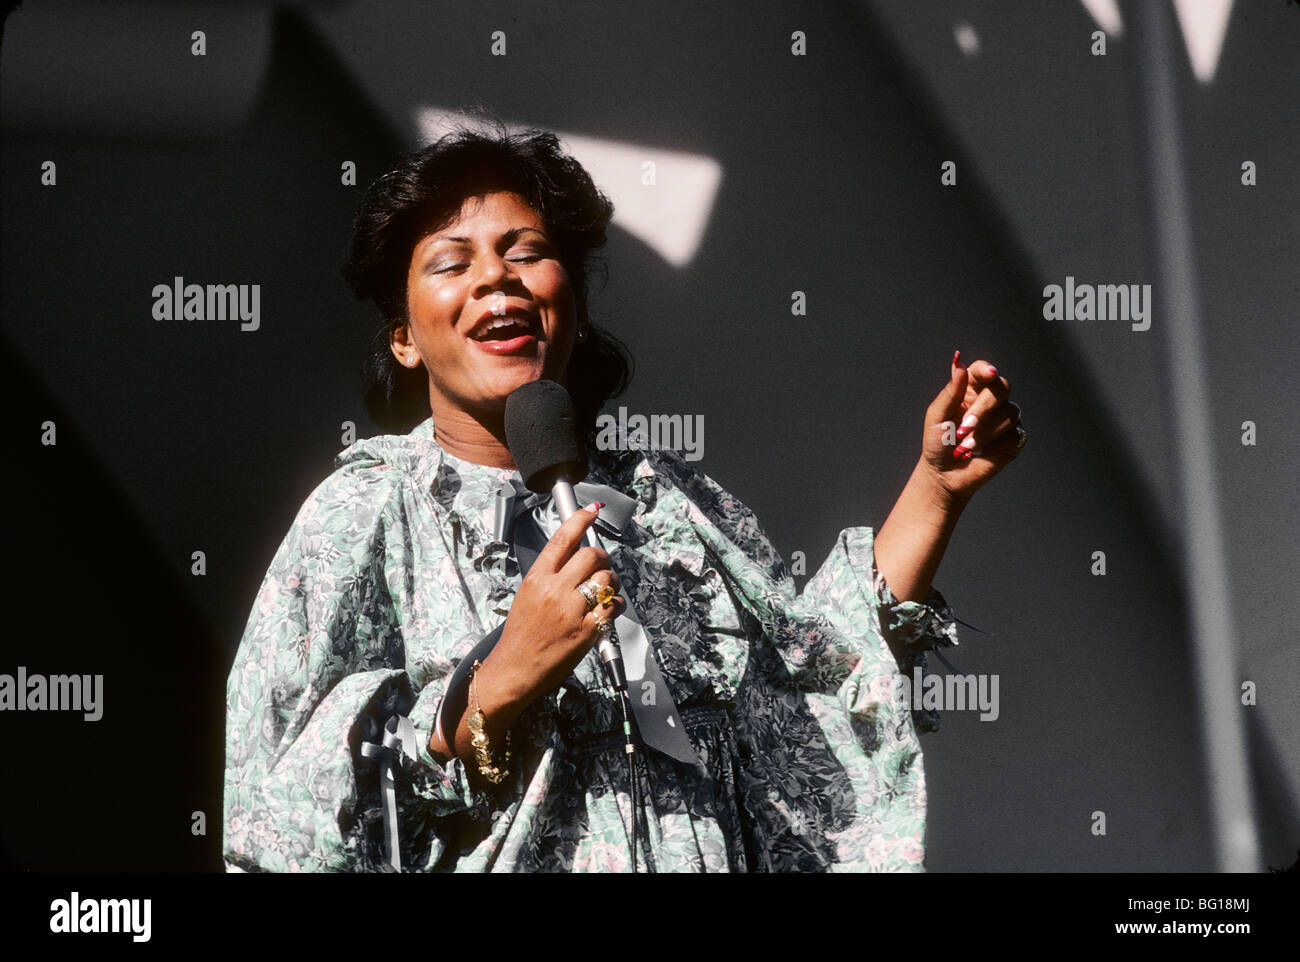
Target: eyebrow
(509, 235)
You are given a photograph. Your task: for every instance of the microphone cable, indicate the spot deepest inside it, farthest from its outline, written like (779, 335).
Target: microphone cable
(629, 753)
(618, 681)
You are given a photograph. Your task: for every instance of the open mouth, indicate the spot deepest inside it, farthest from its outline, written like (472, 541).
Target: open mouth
(514, 333)
(505, 327)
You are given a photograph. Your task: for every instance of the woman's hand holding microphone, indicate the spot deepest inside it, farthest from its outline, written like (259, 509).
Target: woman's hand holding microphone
(549, 629)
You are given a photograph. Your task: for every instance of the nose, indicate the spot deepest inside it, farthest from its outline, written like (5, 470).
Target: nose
(492, 271)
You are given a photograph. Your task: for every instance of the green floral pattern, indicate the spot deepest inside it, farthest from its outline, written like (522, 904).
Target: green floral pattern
(390, 574)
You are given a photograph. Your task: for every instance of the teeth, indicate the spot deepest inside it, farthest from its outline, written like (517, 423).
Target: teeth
(505, 320)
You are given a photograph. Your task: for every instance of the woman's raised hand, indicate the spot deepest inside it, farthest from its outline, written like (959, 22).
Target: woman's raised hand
(971, 428)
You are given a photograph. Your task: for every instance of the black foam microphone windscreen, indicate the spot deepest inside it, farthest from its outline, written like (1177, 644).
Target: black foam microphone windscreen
(543, 437)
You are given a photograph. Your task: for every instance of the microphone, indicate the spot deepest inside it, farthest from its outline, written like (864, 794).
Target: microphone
(543, 438)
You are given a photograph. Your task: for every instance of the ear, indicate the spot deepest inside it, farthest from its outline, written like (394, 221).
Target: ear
(403, 346)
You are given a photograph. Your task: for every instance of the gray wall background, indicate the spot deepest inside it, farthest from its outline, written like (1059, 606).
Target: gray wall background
(176, 436)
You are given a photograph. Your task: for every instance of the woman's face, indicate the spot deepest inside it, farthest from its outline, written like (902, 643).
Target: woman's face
(490, 306)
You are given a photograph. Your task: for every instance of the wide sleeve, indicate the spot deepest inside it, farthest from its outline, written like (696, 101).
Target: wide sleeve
(834, 766)
(848, 591)
(854, 596)
(320, 670)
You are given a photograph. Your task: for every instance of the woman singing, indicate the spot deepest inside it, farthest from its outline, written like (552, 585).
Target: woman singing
(360, 736)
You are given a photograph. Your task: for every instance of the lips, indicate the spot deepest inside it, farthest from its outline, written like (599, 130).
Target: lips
(524, 345)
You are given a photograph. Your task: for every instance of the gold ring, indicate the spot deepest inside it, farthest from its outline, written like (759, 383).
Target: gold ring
(604, 625)
(1024, 436)
(605, 594)
(590, 592)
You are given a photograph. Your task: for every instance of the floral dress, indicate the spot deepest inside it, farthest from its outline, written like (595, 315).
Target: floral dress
(390, 574)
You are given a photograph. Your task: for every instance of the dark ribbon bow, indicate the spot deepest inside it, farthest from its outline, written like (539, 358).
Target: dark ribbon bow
(514, 500)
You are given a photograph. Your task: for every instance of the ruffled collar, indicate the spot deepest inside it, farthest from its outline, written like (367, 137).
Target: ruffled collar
(465, 492)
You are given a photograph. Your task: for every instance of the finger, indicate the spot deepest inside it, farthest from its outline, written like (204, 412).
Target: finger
(983, 374)
(607, 576)
(986, 391)
(948, 404)
(990, 425)
(586, 561)
(604, 578)
(611, 609)
(984, 377)
(1002, 449)
(567, 539)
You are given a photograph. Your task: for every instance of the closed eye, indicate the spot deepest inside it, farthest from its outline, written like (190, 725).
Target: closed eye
(524, 259)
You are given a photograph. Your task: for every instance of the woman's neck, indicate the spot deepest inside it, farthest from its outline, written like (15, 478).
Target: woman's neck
(479, 440)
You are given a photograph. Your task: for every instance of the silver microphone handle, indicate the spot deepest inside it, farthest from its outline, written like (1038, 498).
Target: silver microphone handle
(567, 506)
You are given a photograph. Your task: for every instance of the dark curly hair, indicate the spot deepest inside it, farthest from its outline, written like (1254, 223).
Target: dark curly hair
(424, 194)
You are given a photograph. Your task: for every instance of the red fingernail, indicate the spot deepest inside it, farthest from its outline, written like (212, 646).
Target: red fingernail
(599, 505)
(956, 358)
(993, 372)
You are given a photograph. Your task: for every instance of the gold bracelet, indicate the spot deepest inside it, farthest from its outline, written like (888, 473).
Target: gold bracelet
(475, 721)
